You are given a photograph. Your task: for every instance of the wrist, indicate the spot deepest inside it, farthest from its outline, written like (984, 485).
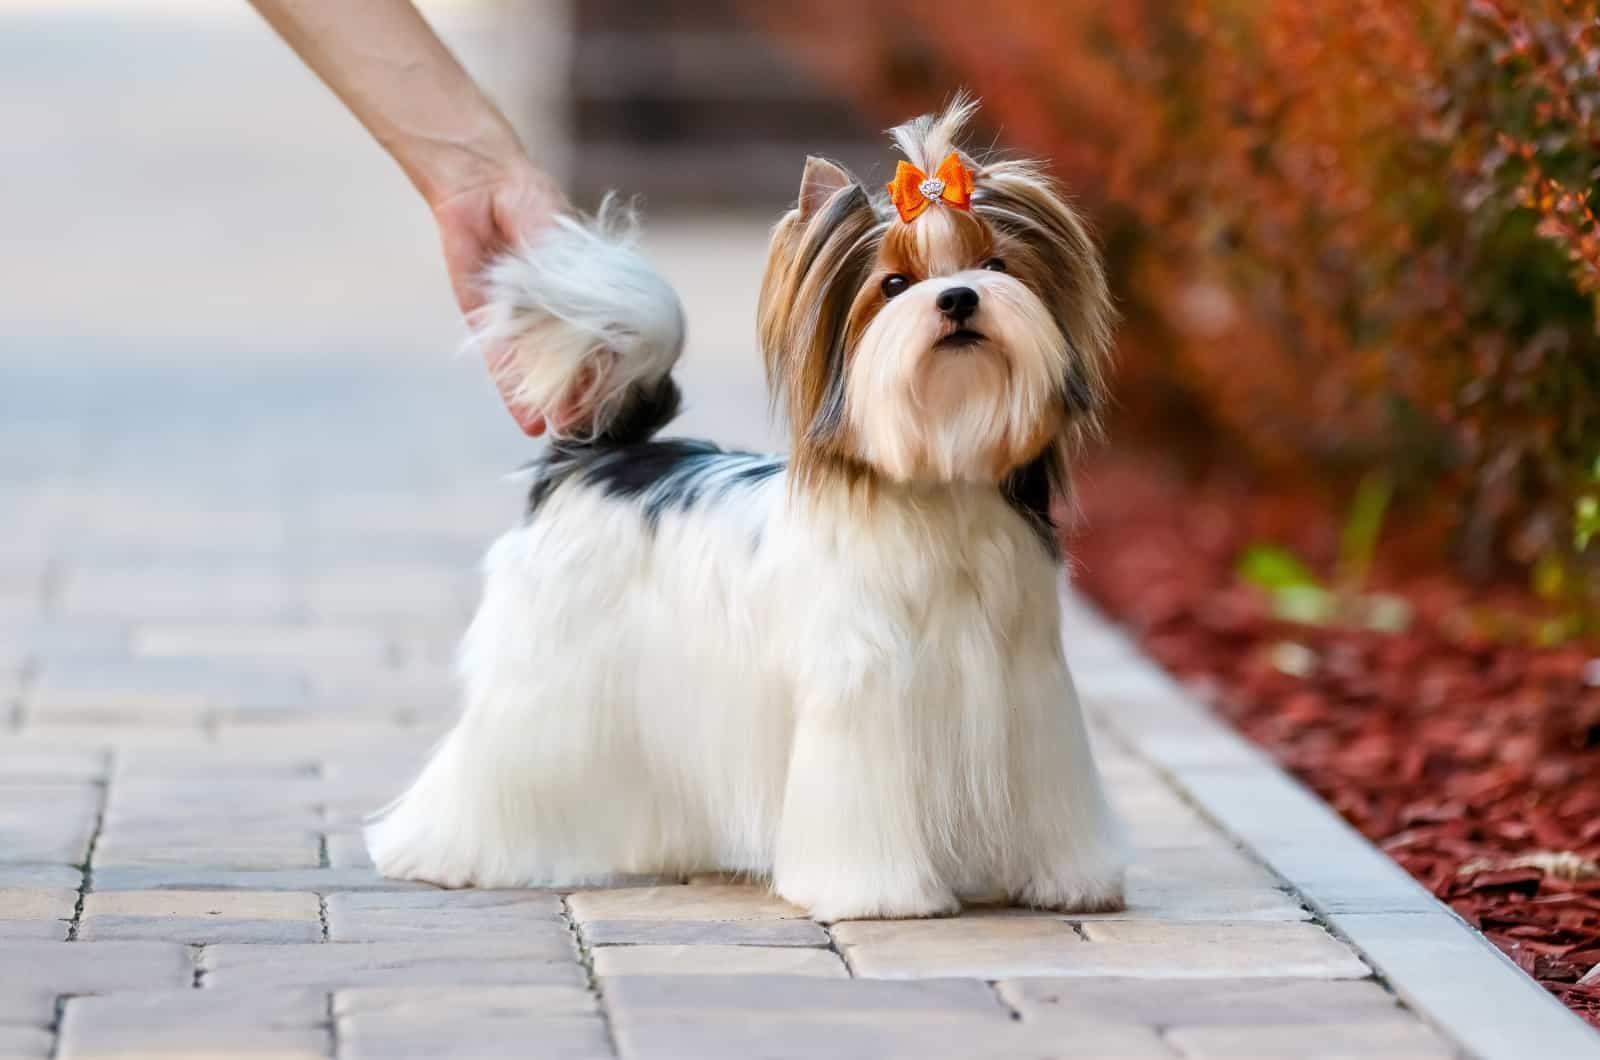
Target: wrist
(444, 168)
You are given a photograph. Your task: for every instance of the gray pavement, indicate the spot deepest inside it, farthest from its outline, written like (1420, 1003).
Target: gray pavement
(244, 488)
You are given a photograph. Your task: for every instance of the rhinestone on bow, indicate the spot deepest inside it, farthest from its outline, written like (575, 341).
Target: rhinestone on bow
(931, 188)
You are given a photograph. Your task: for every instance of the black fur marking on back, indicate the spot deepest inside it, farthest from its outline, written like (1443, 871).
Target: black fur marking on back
(1027, 489)
(674, 474)
(645, 410)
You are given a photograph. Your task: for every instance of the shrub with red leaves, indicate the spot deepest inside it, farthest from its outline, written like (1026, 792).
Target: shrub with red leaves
(1474, 762)
(1345, 235)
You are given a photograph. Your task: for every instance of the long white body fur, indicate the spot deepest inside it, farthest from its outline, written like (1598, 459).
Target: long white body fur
(864, 699)
(876, 713)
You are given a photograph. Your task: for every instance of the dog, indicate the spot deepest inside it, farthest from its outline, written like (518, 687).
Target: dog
(841, 672)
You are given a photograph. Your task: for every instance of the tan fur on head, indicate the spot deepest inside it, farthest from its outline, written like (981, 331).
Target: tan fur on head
(882, 380)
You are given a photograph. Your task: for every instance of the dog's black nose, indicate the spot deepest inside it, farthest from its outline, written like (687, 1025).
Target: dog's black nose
(957, 303)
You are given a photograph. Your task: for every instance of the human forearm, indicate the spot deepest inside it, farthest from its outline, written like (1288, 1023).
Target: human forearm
(385, 63)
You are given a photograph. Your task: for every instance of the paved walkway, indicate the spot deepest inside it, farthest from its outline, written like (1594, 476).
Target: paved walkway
(244, 491)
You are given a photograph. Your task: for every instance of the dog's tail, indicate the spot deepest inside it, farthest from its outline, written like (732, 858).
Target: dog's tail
(582, 331)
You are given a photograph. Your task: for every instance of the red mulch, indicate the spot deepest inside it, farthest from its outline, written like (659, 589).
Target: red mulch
(1454, 752)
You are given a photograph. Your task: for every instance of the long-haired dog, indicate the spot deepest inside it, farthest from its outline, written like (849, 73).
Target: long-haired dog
(841, 671)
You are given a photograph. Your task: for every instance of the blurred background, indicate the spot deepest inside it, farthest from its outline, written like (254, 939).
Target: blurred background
(1351, 490)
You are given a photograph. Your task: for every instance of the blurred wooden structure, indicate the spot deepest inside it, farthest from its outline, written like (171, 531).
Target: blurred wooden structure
(686, 103)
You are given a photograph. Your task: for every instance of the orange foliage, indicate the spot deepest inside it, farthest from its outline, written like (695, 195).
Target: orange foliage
(1346, 233)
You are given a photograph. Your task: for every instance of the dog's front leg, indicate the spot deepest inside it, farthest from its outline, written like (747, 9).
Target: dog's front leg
(852, 843)
(1069, 851)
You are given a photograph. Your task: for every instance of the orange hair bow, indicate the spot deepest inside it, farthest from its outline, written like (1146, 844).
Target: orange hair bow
(912, 190)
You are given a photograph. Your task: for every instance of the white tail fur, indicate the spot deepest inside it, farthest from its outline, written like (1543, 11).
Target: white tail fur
(582, 319)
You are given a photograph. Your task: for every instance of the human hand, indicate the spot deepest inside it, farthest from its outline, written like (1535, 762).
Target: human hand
(481, 220)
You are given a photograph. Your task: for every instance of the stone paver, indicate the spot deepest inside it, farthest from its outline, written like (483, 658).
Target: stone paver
(26, 1043)
(201, 917)
(704, 932)
(742, 1016)
(558, 1022)
(1332, 1041)
(713, 959)
(284, 1025)
(1190, 950)
(456, 962)
(242, 540)
(34, 974)
(714, 901)
(186, 878)
(383, 917)
(1198, 1003)
(36, 912)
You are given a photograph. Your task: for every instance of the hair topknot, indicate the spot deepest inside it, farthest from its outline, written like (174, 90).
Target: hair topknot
(926, 140)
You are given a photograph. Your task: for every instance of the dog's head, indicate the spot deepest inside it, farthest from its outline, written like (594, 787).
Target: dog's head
(962, 344)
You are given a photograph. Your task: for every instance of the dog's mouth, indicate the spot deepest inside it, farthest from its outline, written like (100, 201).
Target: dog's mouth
(960, 339)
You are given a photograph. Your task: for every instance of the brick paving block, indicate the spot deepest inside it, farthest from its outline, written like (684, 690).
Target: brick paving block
(356, 592)
(682, 902)
(284, 1025)
(704, 932)
(1155, 818)
(381, 917)
(183, 593)
(26, 1043)
(216, 762)
(219, 804)
(202, 917)
(108, 736)
(706, 959)
(1202, 883)
(550, 1022)
(728, 998)
(36, 763)
(866, 1038)
(1394, 1039)
(1200, 950)
(212, 848)
(41, 877)
(33, 971)
(156, 690)
(23, 1006)
(61, 638)
(1199, 1002)
(186, 878)
(335, 966)
(386, 691)
(346, 746)
(1146, 901)
(988, 947)
(565, 1038)
(36, 913)
(347, 850)
(413, 1004)
(260, 641)
(47, 822)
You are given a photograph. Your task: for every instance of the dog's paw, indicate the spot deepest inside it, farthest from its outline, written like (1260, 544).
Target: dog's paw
(1073, 895)
(834, 912)
(833, 908)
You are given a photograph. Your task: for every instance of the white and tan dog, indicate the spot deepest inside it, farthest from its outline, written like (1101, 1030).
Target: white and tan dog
(842, 671)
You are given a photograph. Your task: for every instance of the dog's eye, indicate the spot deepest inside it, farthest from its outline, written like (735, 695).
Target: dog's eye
(995, 265)
(893, 285)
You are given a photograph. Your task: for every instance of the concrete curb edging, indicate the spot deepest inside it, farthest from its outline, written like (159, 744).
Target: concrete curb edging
(1439, 965)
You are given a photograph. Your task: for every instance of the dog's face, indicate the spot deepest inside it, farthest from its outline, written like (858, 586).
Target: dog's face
(964, 344)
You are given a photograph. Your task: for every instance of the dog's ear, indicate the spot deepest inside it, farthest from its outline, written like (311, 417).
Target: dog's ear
(818, 184)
